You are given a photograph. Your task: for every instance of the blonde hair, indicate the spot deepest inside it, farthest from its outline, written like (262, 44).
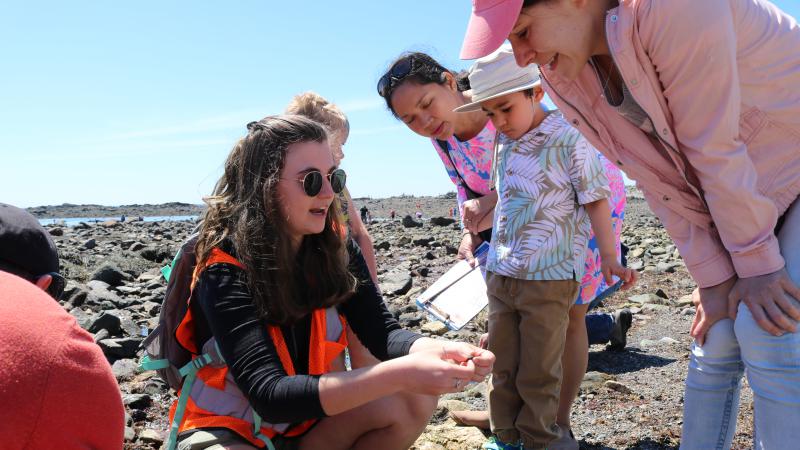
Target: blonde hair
(315, 107)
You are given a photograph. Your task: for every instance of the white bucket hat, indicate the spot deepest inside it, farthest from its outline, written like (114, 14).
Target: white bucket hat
(496, 75)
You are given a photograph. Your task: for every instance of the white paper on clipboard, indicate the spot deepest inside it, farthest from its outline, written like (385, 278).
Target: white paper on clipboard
(458, 295)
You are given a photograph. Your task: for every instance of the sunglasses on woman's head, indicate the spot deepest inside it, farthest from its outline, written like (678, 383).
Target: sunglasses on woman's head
(398, 71)
(312, 181)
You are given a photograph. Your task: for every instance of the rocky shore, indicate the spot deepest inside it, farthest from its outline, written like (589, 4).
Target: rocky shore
(628, 400)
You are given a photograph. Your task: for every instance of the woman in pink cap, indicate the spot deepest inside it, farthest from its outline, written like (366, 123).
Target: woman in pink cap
(699, 103)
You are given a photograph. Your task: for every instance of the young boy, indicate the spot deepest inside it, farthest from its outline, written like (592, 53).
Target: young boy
(550, 185)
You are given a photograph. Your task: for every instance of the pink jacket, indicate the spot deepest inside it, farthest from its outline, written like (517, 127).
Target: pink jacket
(720, 80)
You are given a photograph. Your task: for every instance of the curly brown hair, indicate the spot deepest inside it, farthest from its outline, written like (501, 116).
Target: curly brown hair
(244, 209)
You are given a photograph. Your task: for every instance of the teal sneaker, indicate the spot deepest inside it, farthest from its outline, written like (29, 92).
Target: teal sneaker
(496, 444)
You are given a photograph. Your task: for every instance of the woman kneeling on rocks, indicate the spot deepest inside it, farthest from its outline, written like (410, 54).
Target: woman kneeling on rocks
(276, 288)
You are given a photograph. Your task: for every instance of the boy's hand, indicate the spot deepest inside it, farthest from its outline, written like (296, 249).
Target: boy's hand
(626, 274)
(474, 210)
(473, 213)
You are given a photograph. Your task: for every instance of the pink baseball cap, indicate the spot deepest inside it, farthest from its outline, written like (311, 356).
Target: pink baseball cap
(489, 25)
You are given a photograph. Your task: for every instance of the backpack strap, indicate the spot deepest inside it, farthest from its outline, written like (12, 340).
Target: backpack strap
(493, 175)
(166, 271)
(257, 431)
(189, 372)
(216, 256)
(446, 149)
(153, 364)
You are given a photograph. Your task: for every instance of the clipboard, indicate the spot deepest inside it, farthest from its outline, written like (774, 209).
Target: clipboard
(458, 295)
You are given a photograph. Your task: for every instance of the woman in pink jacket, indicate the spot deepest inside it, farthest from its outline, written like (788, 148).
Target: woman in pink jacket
(699, 102)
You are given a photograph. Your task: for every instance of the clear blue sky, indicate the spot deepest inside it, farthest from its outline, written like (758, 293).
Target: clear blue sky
(140, 102)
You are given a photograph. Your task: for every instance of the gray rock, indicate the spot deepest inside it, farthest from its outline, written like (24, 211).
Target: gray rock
(130, 435)
(384, 245)
(409, 222)
(644, 299)
(129, 290)
(436, 328)
(100, 335)
(155, 254)
(137, 401)
(409, 320)
(83, 318)
(652, 307)
(151, 308)
(120, 348)
(423, 242)
(90, 244)
(617, 386)
(106, 321)
(74, 294)
(56, 231)
(97, 285)
(658, 251)
(396, 282)
(151, 437)
(442, 221)
(124, 369)
(667, 267)
(103, 298)
(136, 246)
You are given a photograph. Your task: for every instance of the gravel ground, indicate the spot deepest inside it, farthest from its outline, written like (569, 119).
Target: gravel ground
(629, 400)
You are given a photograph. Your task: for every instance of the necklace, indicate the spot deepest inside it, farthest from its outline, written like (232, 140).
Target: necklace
(604, 84)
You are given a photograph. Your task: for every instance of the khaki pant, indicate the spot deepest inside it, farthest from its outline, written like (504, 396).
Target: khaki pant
(527, 329)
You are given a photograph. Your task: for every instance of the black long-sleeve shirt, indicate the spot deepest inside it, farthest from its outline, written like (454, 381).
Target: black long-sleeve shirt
(222, 306)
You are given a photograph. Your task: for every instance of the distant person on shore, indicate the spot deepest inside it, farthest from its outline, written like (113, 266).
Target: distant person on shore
(316, 107)
(423, 94)
(276, 286)
(392, 214)
(698, 101)
(56, 386)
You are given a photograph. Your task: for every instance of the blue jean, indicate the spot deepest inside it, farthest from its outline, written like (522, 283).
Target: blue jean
(599, 326)
(772, 365)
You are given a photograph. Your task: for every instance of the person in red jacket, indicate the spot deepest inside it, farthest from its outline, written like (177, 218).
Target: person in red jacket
(56, 387)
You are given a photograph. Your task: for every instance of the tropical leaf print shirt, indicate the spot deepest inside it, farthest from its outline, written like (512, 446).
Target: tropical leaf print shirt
(540, 228)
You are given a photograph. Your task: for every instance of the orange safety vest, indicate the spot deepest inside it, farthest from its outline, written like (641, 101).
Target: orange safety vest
(214, 399)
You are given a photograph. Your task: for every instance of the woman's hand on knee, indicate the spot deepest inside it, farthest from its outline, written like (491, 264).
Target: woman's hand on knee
(711, 306)
(773, 300)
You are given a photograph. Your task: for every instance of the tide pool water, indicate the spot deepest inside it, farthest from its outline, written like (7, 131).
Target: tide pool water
(72, 221)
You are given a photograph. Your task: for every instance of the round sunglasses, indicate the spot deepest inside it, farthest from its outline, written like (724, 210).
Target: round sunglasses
(312, 181)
